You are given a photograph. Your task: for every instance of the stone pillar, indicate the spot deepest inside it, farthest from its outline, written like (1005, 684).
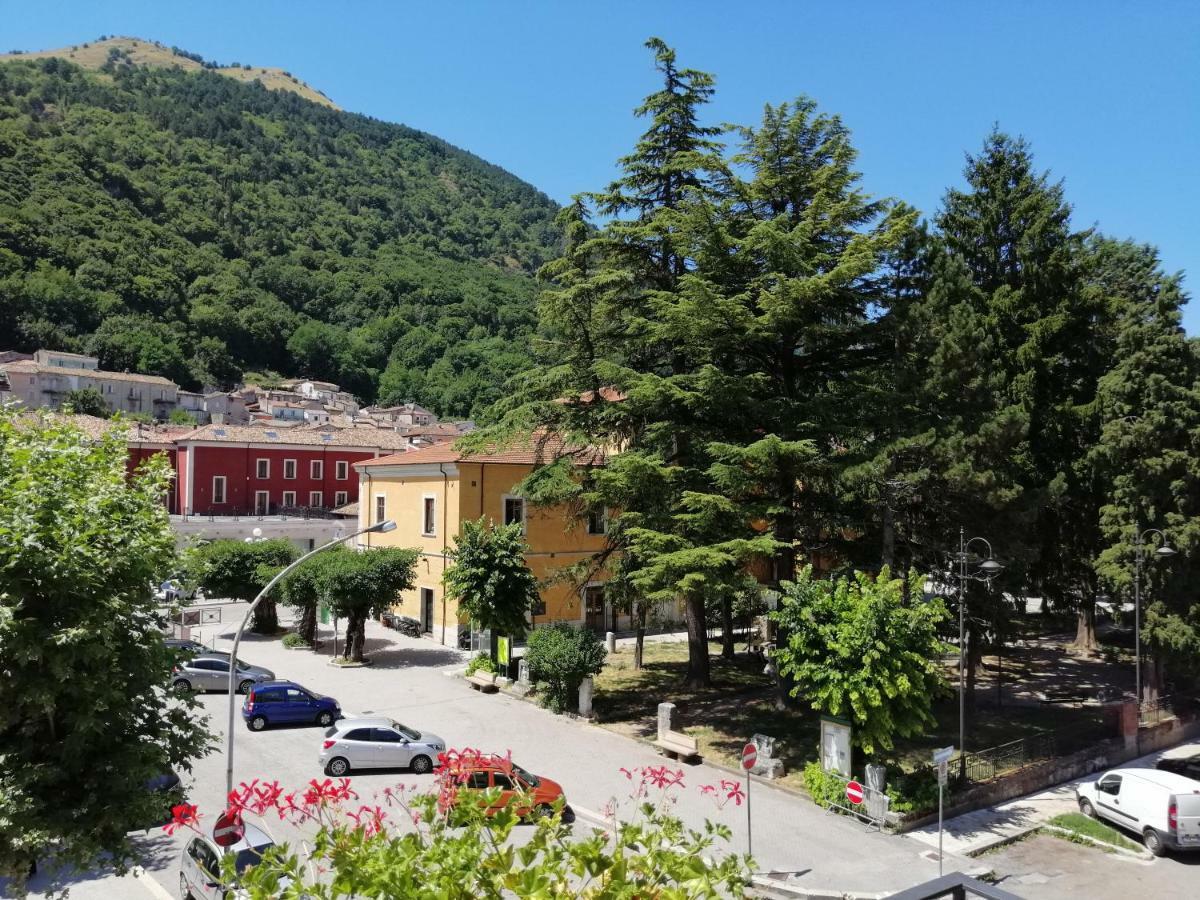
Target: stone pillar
(610, 641)
(666, 719)
(585, 697)
(523, 686)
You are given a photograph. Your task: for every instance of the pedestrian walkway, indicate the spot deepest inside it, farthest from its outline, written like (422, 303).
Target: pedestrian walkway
(975, 832)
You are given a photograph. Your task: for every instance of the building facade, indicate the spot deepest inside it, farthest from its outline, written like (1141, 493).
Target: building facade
(45, 380)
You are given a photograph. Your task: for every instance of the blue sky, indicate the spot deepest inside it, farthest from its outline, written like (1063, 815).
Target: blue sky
(1108, 93)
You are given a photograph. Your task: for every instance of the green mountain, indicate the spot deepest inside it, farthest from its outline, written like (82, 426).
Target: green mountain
(191, 225)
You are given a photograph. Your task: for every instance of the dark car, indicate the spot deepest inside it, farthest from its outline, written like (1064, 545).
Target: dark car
(287, 703)
(185, 646)
(1188, 766)
(168, 789)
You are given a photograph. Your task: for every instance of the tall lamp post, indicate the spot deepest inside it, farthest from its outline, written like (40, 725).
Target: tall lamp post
(1162, 551)
(988, 569)
(385, 525)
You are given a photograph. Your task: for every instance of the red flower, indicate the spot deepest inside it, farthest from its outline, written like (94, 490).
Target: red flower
(184, 815)
(733, 791)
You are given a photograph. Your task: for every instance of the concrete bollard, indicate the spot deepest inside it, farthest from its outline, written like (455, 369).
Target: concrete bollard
(610, 641)
(585, 697)
(666, 719)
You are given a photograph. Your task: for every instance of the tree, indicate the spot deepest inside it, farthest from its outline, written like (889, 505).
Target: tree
(490, 579)
(300, 590)
(561, 656)
(359, 584)
(87, 719)
(86, 402)
(233, 569)
(855, 649)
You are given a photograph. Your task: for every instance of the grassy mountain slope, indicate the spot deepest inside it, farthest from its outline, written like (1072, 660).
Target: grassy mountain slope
(139, 52)
(185, 224)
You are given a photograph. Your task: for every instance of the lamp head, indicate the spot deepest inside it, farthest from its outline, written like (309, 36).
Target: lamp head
(1164, 551)
(989, 567)
(257, 532)
(385, 525)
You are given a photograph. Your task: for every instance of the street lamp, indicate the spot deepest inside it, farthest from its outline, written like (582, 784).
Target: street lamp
(379, 527)
(1162, 551)
(988, 570)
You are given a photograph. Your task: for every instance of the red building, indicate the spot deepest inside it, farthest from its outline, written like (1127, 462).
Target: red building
(226, 469)
(144, 441)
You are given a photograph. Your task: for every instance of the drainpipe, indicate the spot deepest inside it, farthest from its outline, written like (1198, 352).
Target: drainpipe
(445, 503)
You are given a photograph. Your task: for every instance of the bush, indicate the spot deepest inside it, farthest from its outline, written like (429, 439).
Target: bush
(915, 792)
(482, 661)
(562, 656)
(294, 640)
(825, 788)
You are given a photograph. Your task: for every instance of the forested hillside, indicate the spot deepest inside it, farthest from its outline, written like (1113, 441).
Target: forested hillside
(187, 225)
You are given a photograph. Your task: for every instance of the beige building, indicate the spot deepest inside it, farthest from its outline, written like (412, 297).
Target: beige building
(45, 381)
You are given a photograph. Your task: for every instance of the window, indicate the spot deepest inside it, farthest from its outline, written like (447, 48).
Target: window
(539, 607)
(1110, 784)
(358, 734)
(263, 468)
(262, 503)
(289, 498)
(341, 470)
(316, 469)
(514, 510)
(316, 498)
(428, 516)
(380, 508)
(598, 521)
(385, 736)
(218, 495)
(502, 781)
(478, 781)
(298, 696)
(289, 468)
(341, 498)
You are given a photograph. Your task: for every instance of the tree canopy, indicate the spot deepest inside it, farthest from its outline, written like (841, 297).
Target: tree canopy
(489, 577)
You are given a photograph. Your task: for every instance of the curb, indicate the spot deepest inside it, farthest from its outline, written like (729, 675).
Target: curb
(781, 888)
(1140, 855)
(1000, 841)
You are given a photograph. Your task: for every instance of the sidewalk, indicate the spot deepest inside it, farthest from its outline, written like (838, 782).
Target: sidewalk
(974, 832)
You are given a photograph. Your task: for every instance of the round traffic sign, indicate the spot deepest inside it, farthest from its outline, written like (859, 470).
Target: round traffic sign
(749, 757)
(854, 792)
(228, 829)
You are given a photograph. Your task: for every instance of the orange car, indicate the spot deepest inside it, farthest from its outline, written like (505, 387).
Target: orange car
(533, 795)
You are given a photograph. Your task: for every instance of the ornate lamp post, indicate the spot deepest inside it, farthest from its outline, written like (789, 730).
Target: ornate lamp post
(1162, 551)
(984, 571)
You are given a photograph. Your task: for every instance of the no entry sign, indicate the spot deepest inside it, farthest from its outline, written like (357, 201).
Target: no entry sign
(749, 757)
(854, 792)
(229, 829)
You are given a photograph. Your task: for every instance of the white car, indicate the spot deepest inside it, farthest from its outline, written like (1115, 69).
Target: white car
(200, 863)
(377, 742)
(1163, 808)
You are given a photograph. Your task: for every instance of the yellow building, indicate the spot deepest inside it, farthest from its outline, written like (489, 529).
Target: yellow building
(429, 493)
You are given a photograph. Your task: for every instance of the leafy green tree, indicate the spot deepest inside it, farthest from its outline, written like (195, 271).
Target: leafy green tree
(856, 649)
(233, 570)
(561, 656)
(490, 579)
(86, 402)
(360, 584)
(300, 590)
(86, 719)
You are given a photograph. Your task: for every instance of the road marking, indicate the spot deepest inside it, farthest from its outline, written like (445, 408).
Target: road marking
(153, 887)
(605, 823)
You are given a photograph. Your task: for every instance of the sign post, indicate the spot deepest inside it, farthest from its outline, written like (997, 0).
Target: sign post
(941, 758)
(749, 758)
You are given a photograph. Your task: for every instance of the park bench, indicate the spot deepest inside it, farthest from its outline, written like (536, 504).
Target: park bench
(484, 682)
(676, 745)
(1056, 699)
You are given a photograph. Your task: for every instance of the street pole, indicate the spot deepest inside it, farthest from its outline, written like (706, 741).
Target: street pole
(1137, 621)
(941, 789)
(749, 838)
(386, 525)
(962, 658)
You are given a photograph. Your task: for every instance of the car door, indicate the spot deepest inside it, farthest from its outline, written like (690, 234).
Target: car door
(391, 748)
(298, 705)
(509, 791)
(268, 703)
(204, 869)
(356, 745)
(218, 674)
(1108, 802)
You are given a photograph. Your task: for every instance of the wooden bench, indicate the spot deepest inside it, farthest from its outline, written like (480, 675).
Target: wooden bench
(1062, 699)
(676, 745)
(483, 682)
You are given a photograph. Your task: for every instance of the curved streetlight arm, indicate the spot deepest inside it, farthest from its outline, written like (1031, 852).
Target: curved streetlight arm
(237, 638)
(1141, 541)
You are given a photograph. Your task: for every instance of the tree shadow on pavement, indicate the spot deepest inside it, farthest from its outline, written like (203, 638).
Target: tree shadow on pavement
(395, 657)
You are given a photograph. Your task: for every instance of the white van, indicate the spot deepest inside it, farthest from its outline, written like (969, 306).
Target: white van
(1162, 807)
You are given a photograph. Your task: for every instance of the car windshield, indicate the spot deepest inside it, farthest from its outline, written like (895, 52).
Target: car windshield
(250, 856)
(528, 777)
(407, 732)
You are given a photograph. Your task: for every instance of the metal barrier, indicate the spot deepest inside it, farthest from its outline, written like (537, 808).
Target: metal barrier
(1168, 706)
(874, 807)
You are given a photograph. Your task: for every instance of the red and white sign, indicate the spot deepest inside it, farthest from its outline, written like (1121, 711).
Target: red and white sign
(749, 757)
(854, 792)
(229, 829)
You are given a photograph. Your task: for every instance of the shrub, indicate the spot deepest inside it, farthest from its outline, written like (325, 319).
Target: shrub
(482, 661)
(562, 656)
(294, 640)
(825, 788)
(914, 792)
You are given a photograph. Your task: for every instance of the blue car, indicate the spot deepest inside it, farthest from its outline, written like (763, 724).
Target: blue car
(285, 702)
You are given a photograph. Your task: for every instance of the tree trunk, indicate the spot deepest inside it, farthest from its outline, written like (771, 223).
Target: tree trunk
(727, 627)
(266, 618)
(697, 670)
(887, 556)
(307, 629)
(1085, 632)
(1154, 675)
(639, 642)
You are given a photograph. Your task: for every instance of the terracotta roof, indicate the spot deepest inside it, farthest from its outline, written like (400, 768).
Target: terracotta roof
(532, 451)
(587, 398)
(95, 427)
(318, 437)
(33, 368)
(350, 509)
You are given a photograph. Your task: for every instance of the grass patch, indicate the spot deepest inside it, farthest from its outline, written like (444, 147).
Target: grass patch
(1078, 823)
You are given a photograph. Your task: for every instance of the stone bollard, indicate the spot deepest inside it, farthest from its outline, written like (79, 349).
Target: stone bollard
(610, 641)
(666, 719)
(585, 697)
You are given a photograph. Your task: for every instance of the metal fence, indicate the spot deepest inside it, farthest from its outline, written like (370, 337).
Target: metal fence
(1169, 706)
(272, 511)
(874, 807)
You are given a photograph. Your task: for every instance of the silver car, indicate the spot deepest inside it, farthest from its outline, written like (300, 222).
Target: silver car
(377, 742)
(210, 672)
(200, 864)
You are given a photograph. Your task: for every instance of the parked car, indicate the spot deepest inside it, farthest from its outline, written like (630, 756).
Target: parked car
(186, 646)
(284, 702)
(533, 795)
(200, 863)
(1162, 807)
(168, 789)
(1188, 766)
(377, 742)
(210, 672)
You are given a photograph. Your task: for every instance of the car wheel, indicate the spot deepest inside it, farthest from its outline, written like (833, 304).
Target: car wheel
(1085, 807)
(541, 811)
(325, 719)
(258, 723)
(184, 891)
(182, 686)
(244, 687)
(1154, 842)
(337, 767)
(421, 765)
